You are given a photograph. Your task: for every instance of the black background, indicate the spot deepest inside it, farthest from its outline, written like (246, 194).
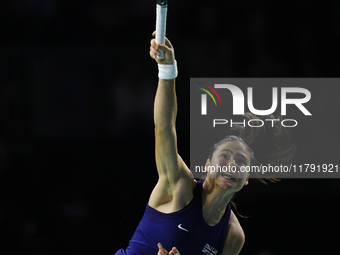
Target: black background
(76, 129)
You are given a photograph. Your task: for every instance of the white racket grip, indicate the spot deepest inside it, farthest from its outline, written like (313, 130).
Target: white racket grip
(160, 26)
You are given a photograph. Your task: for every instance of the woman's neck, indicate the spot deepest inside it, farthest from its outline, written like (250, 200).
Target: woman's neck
(214, 202)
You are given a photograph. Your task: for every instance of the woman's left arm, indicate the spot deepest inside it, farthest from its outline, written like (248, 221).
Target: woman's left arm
(235, 238)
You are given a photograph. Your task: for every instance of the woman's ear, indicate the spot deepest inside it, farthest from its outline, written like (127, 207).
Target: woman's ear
(247, 181)
(207, 163)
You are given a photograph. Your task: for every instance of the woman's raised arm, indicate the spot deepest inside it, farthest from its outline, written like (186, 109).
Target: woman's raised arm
(173, 173)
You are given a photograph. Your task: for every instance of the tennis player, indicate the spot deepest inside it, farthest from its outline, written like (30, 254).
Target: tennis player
(184, 215)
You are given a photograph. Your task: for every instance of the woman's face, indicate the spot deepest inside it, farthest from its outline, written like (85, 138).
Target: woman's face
(227, 163)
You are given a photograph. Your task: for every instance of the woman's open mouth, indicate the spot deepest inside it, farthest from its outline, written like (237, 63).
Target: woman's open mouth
(229, 176)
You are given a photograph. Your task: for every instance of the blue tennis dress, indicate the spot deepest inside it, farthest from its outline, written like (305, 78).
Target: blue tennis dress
(185, 229)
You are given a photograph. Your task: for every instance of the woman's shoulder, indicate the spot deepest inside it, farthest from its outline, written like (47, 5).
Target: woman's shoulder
(175, 198)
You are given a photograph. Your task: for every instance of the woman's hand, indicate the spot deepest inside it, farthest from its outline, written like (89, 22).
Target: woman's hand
(169, 54)
(163, 251)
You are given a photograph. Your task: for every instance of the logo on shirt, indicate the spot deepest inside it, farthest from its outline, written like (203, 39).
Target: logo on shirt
(209, 250)
(181, 228)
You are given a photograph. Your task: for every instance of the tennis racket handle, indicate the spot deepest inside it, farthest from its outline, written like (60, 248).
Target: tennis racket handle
(161, 11)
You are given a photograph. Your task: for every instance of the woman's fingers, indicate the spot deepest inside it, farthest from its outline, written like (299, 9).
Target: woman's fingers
(154, 52)
(164, 47)
(169, 56)
(153, 43)
(174, 251)
(162, 250)
(154, 49)
(167, 41)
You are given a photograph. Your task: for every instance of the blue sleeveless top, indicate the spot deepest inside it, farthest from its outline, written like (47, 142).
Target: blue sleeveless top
(185, 229)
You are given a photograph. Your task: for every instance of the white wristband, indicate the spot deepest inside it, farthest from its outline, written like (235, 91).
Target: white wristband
(167, 72)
